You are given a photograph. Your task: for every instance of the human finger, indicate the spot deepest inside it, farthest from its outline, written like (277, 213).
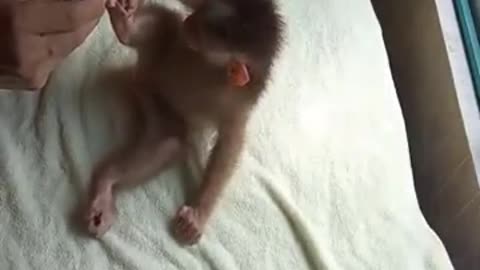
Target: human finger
(43, 17)
(61, 45)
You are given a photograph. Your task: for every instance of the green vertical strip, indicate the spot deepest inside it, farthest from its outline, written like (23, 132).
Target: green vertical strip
(470, 39)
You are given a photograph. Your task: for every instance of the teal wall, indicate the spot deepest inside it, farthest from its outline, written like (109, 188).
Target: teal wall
(468, 12)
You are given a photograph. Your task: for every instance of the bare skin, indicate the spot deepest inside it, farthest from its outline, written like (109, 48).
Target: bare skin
(155, 143)
(188, 76)
(38, 34)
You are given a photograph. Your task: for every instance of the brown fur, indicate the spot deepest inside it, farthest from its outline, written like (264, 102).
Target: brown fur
(179, 90)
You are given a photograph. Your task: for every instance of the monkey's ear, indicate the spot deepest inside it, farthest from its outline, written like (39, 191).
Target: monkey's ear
(237, 73)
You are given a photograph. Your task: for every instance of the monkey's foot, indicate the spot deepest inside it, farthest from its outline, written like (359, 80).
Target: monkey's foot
(100, 214)
(188, 225)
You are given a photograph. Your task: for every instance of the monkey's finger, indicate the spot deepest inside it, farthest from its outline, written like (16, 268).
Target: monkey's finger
(191, 236)
(183, 211)
(192, 233)
(195, 239)
(122, 10)
(179, 226)
(186, 228)
(188, 233)
(132, 5)
(125, 7)
(111, 3)
(178, 221)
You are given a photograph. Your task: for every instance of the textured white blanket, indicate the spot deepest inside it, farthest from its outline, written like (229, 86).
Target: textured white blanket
(325, 182)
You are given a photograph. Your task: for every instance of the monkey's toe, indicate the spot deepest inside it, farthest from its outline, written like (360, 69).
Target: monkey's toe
(187, 227)
(100, 217)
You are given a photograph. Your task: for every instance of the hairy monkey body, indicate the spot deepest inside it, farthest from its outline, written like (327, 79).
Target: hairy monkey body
(206, 70)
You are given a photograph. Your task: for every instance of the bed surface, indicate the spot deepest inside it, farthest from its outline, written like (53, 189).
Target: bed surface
(325, 182)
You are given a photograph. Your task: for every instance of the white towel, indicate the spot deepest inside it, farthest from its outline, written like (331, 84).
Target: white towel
(325, 182)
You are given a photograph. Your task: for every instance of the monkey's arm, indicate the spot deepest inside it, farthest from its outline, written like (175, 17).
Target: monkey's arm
(221, 164)
(190, 221)
(144, 26)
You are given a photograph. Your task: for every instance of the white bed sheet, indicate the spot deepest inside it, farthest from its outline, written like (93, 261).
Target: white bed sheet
(325, 182)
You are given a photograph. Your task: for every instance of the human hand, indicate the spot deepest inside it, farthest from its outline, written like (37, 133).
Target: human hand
(37, 34)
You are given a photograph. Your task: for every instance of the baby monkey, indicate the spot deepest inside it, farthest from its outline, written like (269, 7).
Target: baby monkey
(207, 70)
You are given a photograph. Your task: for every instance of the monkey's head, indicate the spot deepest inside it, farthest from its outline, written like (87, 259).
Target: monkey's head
(241, 35)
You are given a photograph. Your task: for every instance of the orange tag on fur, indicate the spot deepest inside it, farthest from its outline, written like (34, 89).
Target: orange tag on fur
(238, 74)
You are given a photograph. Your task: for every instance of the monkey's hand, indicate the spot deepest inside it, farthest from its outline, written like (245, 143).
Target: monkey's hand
(126, 7)
(122, 18)
(101, 213)
(188, 225)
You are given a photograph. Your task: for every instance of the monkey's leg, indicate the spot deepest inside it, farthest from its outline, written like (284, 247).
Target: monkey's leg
(141, 158)
(126, 169)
